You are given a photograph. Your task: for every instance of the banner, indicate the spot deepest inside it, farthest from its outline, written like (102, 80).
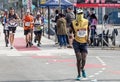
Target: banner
(97, 3)
(42, 1)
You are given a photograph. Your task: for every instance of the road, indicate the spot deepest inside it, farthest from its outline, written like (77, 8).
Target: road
(50, 64)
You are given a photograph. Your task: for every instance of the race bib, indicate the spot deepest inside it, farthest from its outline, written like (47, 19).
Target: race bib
(27, 23)
(81, 33)
(38, 27)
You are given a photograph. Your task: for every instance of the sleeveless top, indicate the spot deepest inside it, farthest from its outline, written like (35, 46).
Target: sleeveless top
(28, 22)
(81, 31)
(12, 16)
(37, 24)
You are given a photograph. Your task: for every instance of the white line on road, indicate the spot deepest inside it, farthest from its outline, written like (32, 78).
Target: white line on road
(104, 68)
(101, 61)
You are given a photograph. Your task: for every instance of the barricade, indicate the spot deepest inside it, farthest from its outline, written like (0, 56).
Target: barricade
(108, 36)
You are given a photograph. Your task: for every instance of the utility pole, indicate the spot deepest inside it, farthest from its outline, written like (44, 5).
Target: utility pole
(38, 3)
(59, 5)
(29, 4)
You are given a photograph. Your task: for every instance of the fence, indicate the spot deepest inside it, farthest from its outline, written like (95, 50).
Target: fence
(108, 36)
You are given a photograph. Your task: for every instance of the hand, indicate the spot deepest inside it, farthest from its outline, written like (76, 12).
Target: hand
(14, 20)
(88, 40)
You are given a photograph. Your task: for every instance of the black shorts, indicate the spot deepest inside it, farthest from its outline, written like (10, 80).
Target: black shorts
(27, 31)
(6, 32)
(38, 32)
(80, 47)
(12, 29)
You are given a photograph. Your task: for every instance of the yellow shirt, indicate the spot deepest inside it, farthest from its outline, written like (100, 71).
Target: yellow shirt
(81, 30)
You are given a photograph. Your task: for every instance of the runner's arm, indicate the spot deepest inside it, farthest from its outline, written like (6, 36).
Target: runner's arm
(18, 18)
(88, 39)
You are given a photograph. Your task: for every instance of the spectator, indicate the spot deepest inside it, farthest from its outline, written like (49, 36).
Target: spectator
(93, 32)
(61, 31)
(105, 18)
(55, 21)
(70, 16)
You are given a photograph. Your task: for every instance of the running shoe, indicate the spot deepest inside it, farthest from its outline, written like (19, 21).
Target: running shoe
(78, 78)
(69, 46)
(11, 47)
(83, 73)
(27, 45)
(38, 45)
(6, 45)
(30, 44)
(35, 40)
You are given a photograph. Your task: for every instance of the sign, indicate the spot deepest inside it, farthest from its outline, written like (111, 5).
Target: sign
(118, 14)
(98, 3)
(12, 1)
(42, 1)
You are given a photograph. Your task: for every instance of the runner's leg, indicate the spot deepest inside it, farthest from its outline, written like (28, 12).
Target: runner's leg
(79, 58)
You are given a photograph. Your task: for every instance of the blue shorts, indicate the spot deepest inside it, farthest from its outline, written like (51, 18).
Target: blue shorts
(80, 47)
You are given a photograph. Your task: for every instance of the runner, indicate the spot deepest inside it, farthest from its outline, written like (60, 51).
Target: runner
(13, 18)
(80, 29)
(5, 28)
(32, 27)
(70, 16)
(27, 20)
(38, 28)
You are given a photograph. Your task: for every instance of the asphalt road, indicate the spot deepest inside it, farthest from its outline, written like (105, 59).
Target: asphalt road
(58, 66)
(50, 64)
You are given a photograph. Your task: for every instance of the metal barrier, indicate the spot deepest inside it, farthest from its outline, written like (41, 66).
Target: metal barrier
(108, 36)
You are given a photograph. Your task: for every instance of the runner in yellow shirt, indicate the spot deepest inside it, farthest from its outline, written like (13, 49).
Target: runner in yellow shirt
(81, 32)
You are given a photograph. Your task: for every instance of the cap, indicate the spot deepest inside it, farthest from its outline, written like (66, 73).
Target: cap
(79, 11)
(5, 10)
(38, 13)
(70, 8)
(28, 11)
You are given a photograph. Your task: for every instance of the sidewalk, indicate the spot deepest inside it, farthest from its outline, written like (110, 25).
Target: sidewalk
(48, 46)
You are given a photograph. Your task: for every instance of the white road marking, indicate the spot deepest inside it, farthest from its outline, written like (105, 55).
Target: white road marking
(47, 63)
(101, 61)
(103, 68)
(96, 73)
(91, 76)
(100, 71)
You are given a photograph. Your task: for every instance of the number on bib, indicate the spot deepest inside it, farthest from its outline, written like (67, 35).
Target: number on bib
(81, 33)
(27, 24)
(38, 27)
